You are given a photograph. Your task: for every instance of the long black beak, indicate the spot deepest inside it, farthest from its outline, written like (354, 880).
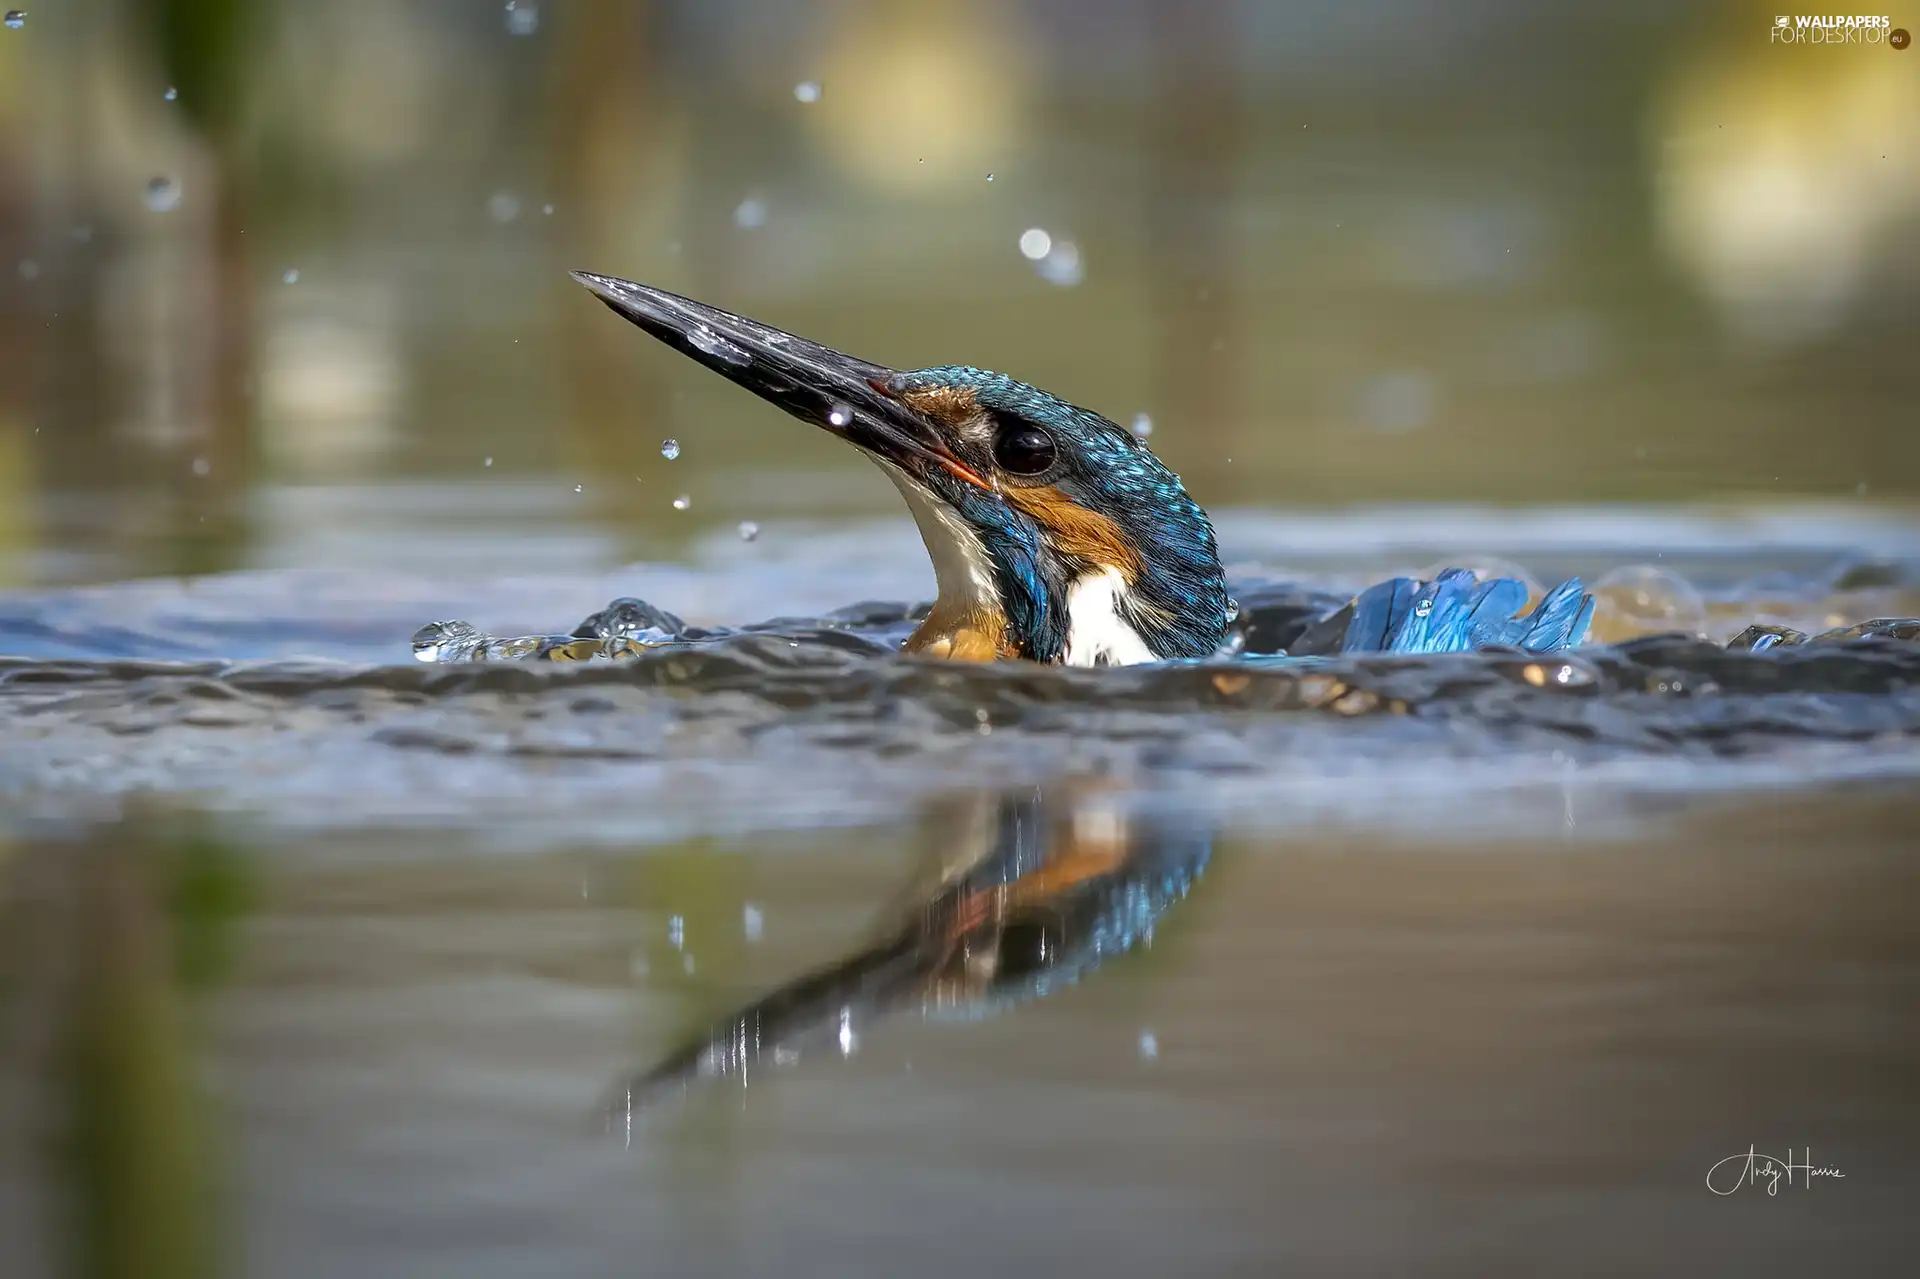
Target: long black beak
(850, 398)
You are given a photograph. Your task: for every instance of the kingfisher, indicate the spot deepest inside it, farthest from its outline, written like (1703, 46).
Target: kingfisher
(1056, 535)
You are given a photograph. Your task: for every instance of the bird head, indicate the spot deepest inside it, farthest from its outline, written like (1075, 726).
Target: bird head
(1056, 536)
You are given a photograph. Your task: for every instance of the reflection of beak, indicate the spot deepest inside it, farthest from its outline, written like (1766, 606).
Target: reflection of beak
(850, 398)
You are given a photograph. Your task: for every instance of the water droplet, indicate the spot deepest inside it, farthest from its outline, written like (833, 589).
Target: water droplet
(489, 461)
(669, 449)
(989, 177)
(750, 213)
(163, 194)
(847, 1037)
(503, 206)
(1423, 609)
(713, 344)
(16, 18)
(579, 488)
(686, 964)
(676, 931)
(748, 530)
(1035, 244)
(752, 922)
(1062, 266)
(1142, 426)
(523, 17)
(171, 94)
(29, 269)
(839, 414)
(807, 91)
(291, 275)
(1149, 1046)
(202, 467)
(546, 210)
(682, 502)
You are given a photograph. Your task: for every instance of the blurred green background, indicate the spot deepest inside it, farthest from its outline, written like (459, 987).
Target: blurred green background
(271, 267)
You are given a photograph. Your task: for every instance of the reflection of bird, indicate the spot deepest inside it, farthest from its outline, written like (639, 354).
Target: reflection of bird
(1055, 535)
(1036, 890)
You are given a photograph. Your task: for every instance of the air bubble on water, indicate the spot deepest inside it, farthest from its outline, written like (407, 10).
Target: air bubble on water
(752, 921)
(1142, 426)
(676, 931)
(750, 213)
(523, 17)
(682, 502)
(839, 414)
(503, 206)
(163, 194)
(1062, 265)
(669, 449)
(291, 275)
(1149, 1046)
(713, 344)
(202, 467)
(1642, 599)
(1035, 244)
(171, 94)
(16, 18)
(807, 91)
(29, 269)
(748, 530)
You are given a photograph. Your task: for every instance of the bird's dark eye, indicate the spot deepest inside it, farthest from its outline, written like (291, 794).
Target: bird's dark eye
(1024, 450)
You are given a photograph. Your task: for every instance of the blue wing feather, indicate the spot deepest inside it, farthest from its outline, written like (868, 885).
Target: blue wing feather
(1455, 612)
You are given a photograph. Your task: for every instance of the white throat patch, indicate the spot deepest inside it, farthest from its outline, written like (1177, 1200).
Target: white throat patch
(962, 571)
(1097, 635)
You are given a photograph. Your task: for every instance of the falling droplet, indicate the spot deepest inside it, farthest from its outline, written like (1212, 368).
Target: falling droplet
(989, 177)
(847, 1037)
(807, 91)
(682, 502)
(1035, 244)
(1149, 1046)
(669, 449)
(523, 17)
(676, 931)
(171, 94)
(752, 922)
(1142, 426)
(579, 488)
(1423, 609)
(17, 18)
(748, 530)
(1061, 265)
(839, 414)
(202, 467)
(750, 213)
(291, 275)
(503, 206)
(546, 210)
(163, 194)
(489, 461)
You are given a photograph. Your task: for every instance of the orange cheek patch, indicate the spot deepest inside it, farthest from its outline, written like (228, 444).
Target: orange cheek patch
(1086, 535)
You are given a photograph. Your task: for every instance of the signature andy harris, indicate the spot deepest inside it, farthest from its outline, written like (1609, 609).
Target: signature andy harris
(1753, 1168)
